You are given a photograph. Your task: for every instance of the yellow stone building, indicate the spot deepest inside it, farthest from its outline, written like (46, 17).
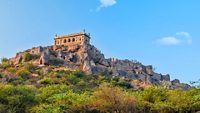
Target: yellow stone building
(80, 38)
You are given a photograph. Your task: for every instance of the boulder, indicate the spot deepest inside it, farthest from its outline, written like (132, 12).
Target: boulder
(175, 81)
(149, 70)
(166, 77)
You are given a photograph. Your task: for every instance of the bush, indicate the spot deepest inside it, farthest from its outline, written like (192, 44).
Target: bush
(3, 60)
(78, 74)
(73, 79)
(23, 73)
(45, 81)
(1, 75)
(29, 57)
(30, 67)
(56, 62)
(46, 108)
(17, 99)
(184, 101)
(64, 102)
(82, 83)
(113, 99)
(5, 63)
(12, 70)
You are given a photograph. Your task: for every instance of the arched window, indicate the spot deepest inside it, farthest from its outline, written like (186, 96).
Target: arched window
(69, 40)
(65, 41)
(73, 40)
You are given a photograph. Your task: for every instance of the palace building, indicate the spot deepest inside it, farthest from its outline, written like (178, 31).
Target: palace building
(80, 38)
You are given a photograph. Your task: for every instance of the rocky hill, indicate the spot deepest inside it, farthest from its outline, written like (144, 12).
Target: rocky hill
(90, 60)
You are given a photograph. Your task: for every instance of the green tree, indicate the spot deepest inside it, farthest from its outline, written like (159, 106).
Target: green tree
(60, 99)
(113, 99)
(17, 99)
(5, 63)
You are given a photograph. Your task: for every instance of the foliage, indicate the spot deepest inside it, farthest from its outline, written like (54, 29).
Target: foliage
(3, 60)
(30, 67)
(120, 82)
(29, 57)
(55, 61)
(113, 99)
(59, 98)
(18, 99)
(45, 81)
(1, 75)
(23, 73)
(58, 90)
(5, 63)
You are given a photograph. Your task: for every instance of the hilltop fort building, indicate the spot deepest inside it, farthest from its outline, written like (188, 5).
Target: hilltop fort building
(72, 39)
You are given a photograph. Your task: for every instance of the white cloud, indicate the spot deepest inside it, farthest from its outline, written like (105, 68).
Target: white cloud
(168, 41)
(177, 39)
(185, 34)
(106, 3)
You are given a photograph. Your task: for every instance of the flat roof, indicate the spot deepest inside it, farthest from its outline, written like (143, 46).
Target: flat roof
(72, 35)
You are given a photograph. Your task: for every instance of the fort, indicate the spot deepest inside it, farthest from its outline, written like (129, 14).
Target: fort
(74, 52)
(72, 39)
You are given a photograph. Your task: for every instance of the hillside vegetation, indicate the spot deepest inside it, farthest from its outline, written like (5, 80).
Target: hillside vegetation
(28, 88)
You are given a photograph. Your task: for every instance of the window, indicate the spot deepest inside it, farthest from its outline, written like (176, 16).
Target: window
(73, 40)
(65, 41)
(69, 40)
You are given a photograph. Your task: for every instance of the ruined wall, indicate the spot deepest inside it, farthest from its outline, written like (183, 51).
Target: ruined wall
(35, 50)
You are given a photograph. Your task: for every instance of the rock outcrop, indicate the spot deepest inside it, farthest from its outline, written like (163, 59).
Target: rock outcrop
(89, 59)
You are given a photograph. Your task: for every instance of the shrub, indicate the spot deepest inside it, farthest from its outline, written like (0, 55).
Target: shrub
(50, 90)
(5, 63)
(125, 84)
(78, 74)
(184, 101)
(29, 57)
(56, 62)
(17, 99)
(12, 70)
(46, 81)
(82, 83)
(1, 75)
(23, 73)
(3, 60)
(30, 67)
(113, 99)
(73, 79)
(46, 108)
(66, 102)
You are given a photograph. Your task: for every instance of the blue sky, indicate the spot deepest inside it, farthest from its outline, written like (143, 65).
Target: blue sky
(162, 33)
